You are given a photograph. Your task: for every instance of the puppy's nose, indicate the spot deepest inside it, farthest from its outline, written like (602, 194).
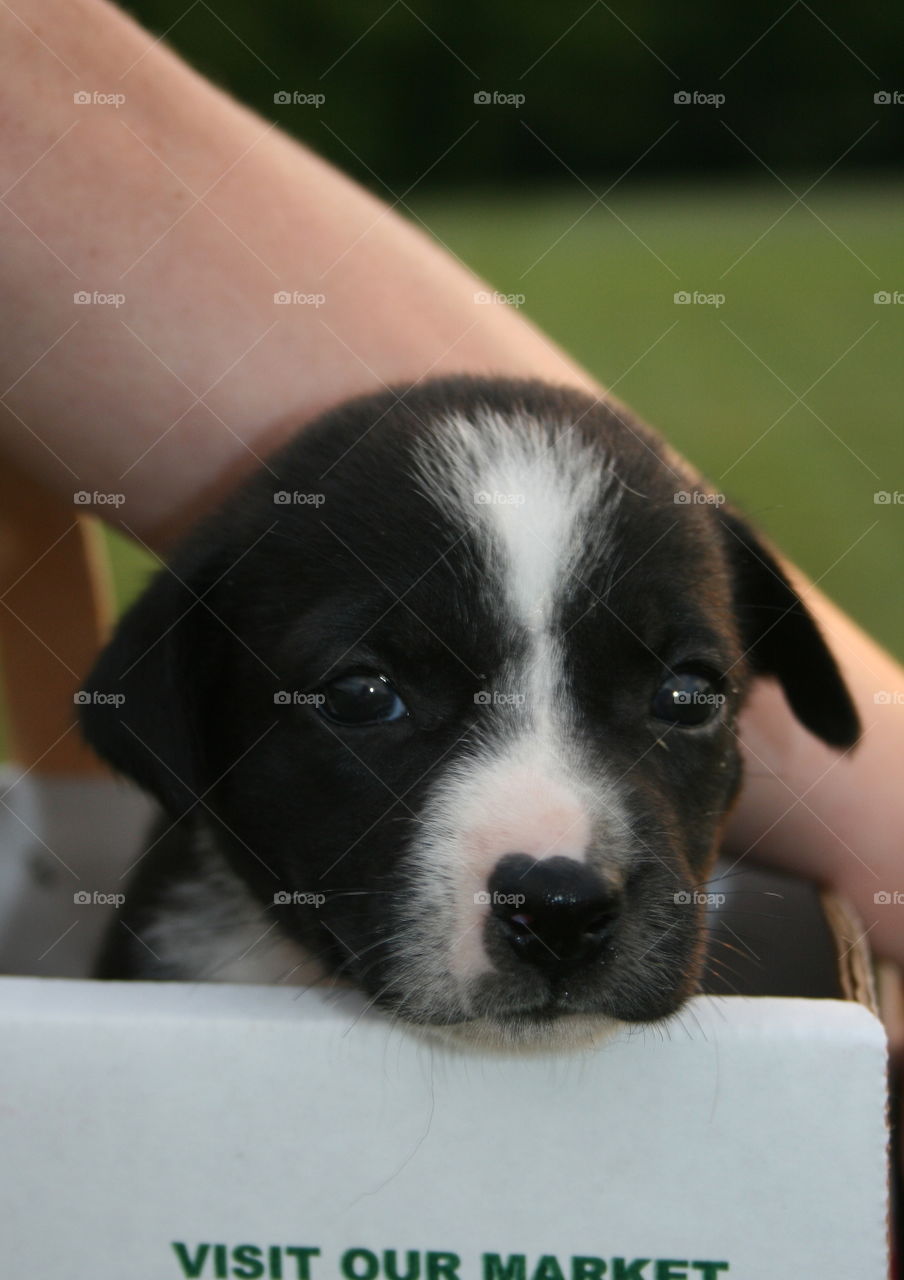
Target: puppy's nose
(556, 913)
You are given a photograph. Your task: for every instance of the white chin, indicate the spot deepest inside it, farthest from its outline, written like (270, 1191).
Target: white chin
(524, 1034)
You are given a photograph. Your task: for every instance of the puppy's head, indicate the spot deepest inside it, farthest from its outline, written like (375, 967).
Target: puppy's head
(454, 684)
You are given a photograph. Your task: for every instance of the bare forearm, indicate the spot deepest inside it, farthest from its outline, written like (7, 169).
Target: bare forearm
(199, 213)
(835, 819)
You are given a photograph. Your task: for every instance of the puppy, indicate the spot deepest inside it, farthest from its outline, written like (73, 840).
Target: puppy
(443, 702)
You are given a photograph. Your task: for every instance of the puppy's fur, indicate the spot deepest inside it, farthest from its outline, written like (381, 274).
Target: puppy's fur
(527, 569)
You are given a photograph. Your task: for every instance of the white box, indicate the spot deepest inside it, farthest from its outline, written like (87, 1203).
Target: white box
(142, 1122)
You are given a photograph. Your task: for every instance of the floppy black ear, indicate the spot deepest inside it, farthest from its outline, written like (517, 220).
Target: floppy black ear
(783, 641)
(141, 705)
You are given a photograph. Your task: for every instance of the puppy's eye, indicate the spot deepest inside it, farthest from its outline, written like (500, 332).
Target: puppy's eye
(361, 699)
(687, 698)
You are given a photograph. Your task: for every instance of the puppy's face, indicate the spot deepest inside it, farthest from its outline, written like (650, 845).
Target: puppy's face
(454, 686)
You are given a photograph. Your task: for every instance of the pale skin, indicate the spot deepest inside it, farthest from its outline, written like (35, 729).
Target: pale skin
(170, 397)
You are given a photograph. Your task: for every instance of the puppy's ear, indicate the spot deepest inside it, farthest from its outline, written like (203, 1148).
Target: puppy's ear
(783, 641)
(141, 705)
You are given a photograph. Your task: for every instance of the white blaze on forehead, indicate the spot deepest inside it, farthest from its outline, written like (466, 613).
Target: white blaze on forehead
(541, 507)
(530, 495)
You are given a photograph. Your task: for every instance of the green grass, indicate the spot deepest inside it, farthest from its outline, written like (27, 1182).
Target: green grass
(798, 310)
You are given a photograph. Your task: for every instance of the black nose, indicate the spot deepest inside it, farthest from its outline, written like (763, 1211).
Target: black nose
(556, 913)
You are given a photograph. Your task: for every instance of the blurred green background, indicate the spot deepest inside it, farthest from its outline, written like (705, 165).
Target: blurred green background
(601, 193)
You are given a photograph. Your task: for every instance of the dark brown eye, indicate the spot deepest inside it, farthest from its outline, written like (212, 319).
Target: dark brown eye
(687, 698)
(361, 699)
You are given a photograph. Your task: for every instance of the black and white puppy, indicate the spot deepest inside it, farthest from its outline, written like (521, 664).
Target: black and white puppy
(443, 701)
